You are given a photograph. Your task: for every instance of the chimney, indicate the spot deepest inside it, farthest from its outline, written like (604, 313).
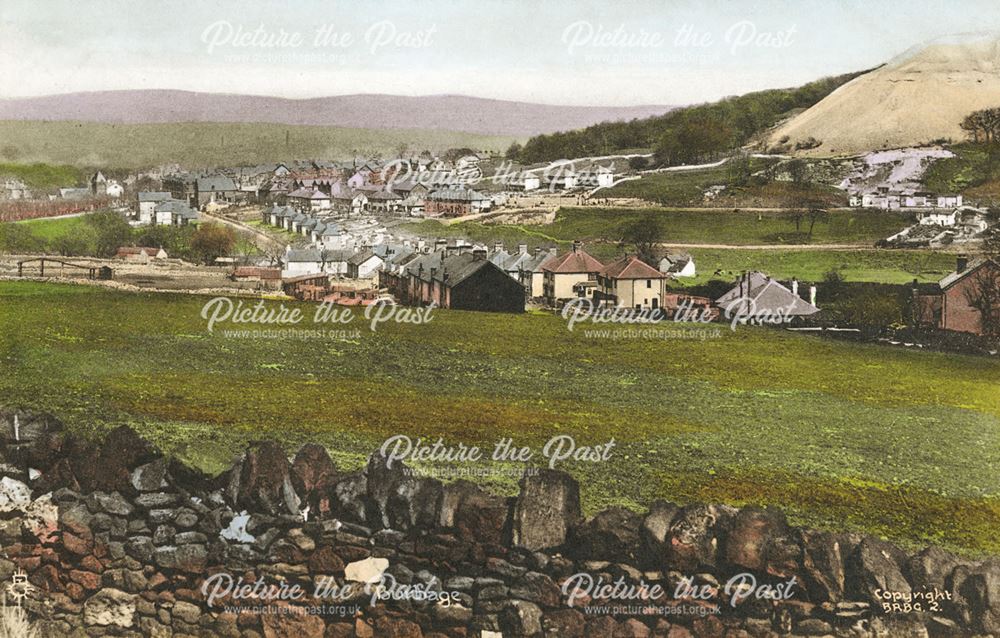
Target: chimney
(522, 249)
(497, 246)
(961, 263)
(812, 295)
(553, 251)
(479, 254)
(433, 272)
(577, 245)
(795, 287)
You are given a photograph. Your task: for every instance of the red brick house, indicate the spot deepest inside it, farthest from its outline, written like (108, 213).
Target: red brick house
(951, 304)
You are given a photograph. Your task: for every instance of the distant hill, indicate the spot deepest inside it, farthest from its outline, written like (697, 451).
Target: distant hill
(207, 144)
(431, 112)
(919, 97)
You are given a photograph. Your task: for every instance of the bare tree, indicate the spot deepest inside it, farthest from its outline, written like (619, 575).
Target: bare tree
(984, 296)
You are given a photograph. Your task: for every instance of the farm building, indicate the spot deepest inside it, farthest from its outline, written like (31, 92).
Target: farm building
(956, 302)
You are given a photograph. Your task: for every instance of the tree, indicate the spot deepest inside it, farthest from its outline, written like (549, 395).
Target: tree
(814, 215)
(212, 241)
(513, 151)
(984, 296)
(644, 236)
(873, 311)
(637, 163)
(796, 215)
(738, 169)
(18, 239)
(111, 232)
(797, 170)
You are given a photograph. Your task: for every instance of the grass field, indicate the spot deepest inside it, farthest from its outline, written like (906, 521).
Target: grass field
(687, 188)
(210, 144)
(683, 226)
(899, 443)
(49, 229)
(882, 266)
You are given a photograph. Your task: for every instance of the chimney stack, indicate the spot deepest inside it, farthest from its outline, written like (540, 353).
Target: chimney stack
(577, 245)
(961, 263)
(522, 249)
(479, 254)
(497, 246)
(795, 287)
(812, 295)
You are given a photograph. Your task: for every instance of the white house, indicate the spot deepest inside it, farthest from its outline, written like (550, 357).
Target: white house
(114, 189)
(147, 204)
(677, 265)
(939, 218)
(364, 265)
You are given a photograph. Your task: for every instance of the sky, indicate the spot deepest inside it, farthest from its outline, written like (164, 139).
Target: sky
(586, 52)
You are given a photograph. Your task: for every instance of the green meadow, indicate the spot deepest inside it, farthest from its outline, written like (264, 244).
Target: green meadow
(842, 436)
(694, 226)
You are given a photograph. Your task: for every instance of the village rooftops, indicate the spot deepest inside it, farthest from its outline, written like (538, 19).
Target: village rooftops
(216, 183)
(448, 270)
(631, 267)
(303, 255)
(172, 206)
(575, 261)
(309, 193)
(382, 195)
(457, 195)
(153, 196)
(361, 257)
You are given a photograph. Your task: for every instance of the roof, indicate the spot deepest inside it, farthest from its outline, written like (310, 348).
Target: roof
(574, 261)
(215, 183)
(448, 270)
(173, 206)
(303, 255)
(359, 258)
(766, 294)
(457, 195)
(153, 196)
(974, 265)
(337, 255)
(631, 267)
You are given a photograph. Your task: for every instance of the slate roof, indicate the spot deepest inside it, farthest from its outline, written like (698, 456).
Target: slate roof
(153, 196)
(766, 295)
(973, 266)
(361, 257)
(215, 183)
(303, 255)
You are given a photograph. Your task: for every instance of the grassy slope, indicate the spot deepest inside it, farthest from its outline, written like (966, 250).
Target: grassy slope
(43, 176)
(213, 144)
(687, 188)
(50, 229)
(895, 442)
(686, 227)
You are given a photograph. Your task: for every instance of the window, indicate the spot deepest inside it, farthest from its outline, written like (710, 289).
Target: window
(649, 283)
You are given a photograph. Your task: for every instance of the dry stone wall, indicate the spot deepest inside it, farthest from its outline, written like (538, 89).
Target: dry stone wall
(114, 539)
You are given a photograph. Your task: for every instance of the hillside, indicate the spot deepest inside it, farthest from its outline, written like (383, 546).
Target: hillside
(919, 97)
(435, 112)
(92, 144)
(688, 135)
